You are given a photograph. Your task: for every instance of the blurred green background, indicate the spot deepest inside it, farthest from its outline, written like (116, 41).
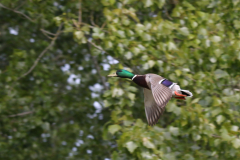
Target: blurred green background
(56, 101)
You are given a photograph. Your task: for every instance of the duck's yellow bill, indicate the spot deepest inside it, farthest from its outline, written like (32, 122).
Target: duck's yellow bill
(112, 75)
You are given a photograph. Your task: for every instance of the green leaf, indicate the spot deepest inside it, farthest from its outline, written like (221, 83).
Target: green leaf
(216, 111)
(170, 156)
(202, 31)
(108, 2)
(151, 63)
(112, 2)
(220, 73)
(215, 39)
(174, 130)
(128, 55)
(146, 155)
(160, 3)
(225, 136)
(171, 46)
(184, 31)
(213, 59)
(147, 143)
(114, 128)
(117, 92)
(131, 96)
(188, 5)
(140, 123)
(131, 146)
(234, 128)
(121, 34)
(140, 27)
(188, 157)
(195, 100)
(148, 3)
(79, 35)
(135, 50)
(115, 155)
(194, 24)
(107, 103)
(58, 20)
(178, 72)
(236, 143)
(46, 126)
(173, 108)
(236, 24)
(220, 119)
(146, 37)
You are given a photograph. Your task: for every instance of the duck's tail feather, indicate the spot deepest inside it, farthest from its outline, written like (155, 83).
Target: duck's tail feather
(186, 93)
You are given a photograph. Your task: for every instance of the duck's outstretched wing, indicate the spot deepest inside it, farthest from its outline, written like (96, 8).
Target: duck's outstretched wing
(155, 99)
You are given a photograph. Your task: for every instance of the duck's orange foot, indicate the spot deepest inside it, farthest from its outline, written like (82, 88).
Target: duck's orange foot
(183, 98)
(179, 96)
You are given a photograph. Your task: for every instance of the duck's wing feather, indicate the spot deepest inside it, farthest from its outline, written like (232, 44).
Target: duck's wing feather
(152, 110)
(155, 99)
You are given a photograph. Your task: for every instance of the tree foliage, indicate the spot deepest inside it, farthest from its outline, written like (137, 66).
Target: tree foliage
(57, 103)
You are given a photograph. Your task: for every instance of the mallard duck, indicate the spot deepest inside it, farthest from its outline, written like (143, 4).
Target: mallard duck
(157, 92)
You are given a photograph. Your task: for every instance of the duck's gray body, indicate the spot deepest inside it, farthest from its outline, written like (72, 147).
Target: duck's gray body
(157, 94)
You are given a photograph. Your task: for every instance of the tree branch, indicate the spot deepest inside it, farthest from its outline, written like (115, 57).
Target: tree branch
(216, 136)
(21, 114)
(96, 46)
(1, 5)
(43, 52)
(20, 5)
(166, 13)
(47, 32)
(80, 12)
(92, 19)
(103, 25)
(103, 80)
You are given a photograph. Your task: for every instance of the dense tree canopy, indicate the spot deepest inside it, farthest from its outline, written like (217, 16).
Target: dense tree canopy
(56, 100)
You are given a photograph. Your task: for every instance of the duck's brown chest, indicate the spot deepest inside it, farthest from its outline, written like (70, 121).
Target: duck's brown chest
(141, 81)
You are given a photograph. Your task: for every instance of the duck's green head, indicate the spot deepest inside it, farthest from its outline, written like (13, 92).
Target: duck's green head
(122, 74)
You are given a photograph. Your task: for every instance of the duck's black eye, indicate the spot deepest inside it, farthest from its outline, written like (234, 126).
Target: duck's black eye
(120, 70)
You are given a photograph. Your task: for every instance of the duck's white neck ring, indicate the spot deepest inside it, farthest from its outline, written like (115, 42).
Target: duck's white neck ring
(134, 77)
(161, 81)
(172, 85)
